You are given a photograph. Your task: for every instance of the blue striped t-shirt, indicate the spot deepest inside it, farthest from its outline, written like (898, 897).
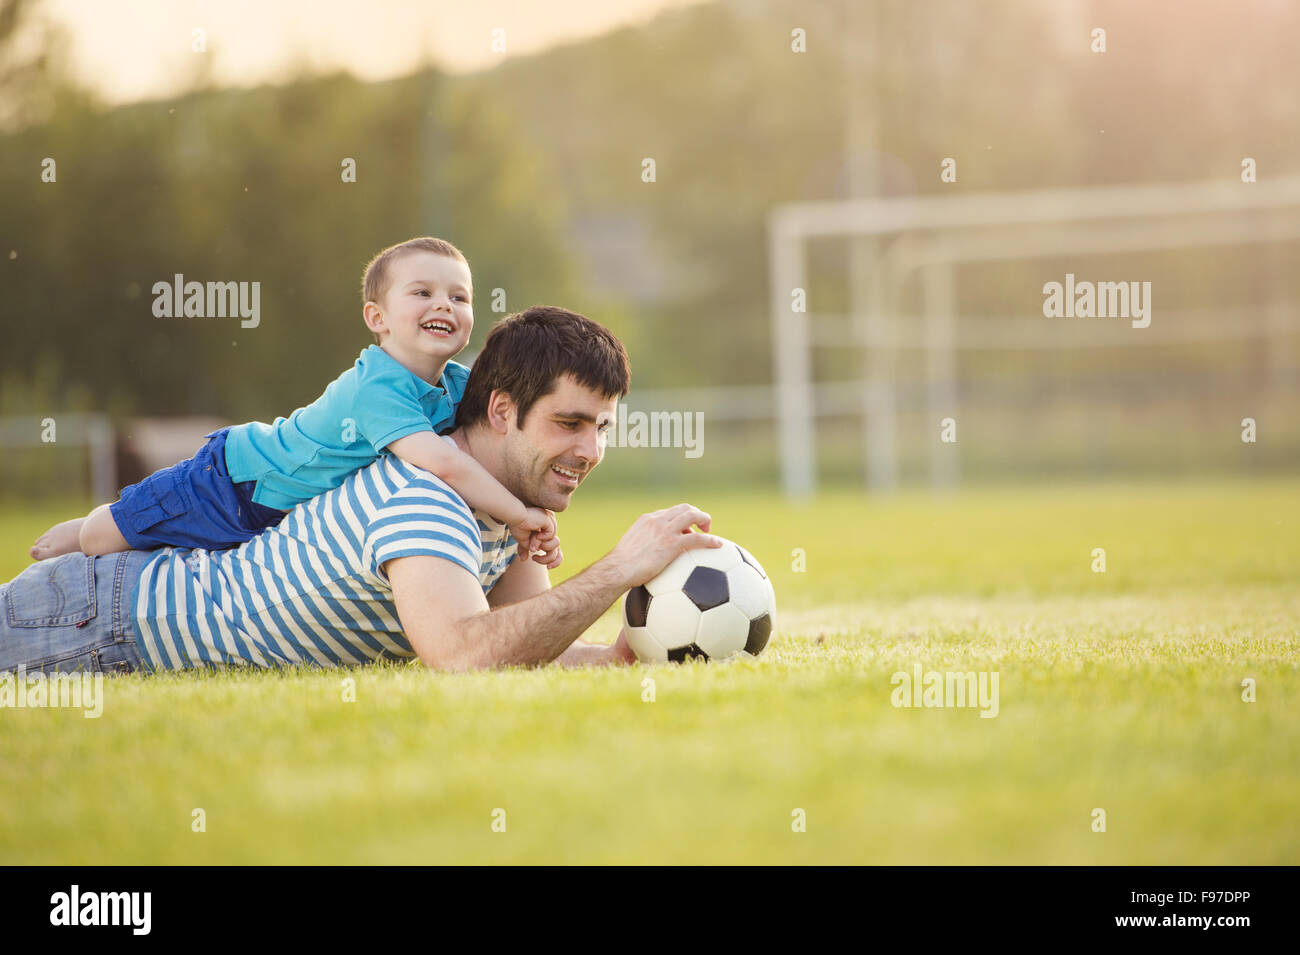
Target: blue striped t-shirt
(309, 590)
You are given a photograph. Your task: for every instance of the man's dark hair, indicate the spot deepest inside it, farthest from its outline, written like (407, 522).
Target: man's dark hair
(526, 353)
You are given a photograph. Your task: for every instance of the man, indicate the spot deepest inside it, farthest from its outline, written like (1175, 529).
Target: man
(393, 563)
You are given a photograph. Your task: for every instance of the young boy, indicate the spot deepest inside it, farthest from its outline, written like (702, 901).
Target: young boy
(401, 392)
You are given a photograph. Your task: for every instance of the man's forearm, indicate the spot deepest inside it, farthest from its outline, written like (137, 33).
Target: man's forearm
(536, 631)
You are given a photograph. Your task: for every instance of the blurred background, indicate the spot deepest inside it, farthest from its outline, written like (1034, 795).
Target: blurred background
(526, 148)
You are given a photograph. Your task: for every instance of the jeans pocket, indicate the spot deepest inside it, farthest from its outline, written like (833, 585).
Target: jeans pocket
(53, 593)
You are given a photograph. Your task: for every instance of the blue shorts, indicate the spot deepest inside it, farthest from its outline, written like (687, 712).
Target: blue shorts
(192, 504)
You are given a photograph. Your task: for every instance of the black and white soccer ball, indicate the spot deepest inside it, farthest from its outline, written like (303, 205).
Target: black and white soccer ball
(709, 603)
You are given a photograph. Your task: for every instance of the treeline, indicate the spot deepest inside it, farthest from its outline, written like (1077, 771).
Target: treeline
(537, 170)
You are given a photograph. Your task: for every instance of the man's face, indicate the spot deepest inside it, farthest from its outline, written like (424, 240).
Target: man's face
(562, 439)
(427, 312)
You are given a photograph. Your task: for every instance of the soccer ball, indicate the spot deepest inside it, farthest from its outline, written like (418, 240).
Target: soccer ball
(710, 603)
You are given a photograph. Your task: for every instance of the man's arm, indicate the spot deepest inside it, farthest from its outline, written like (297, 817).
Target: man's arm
(450, 626)
(432, 595)
(526, 579)
(522, 580)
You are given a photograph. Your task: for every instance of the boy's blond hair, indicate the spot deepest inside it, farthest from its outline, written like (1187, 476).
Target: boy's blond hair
(376, 279)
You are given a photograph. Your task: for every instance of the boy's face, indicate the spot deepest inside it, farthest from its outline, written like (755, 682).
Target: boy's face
(426, 316)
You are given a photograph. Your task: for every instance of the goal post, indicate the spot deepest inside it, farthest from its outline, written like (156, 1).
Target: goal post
(94, 432)
(926, 237)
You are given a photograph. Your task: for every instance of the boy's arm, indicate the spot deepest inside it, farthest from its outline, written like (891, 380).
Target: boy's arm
(471, 480)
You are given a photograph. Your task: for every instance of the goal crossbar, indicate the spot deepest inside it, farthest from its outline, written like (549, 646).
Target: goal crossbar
(929, 235)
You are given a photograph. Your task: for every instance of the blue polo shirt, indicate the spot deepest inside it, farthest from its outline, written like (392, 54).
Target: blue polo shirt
(369, 406)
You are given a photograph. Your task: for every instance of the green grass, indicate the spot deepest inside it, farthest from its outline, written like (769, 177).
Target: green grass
(1119, 691)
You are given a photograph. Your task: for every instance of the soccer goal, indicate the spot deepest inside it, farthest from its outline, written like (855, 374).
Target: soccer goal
(923, 240)
(91, 434)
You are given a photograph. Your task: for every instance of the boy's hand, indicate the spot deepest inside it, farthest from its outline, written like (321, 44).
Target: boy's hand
(548, 552)
(536, 536)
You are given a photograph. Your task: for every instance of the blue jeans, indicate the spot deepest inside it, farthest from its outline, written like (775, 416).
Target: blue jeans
(72, 613)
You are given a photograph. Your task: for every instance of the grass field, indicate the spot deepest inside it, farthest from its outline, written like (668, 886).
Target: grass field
(1119, 690)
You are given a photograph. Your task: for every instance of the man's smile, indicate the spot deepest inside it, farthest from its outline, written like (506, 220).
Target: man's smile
(568, 476)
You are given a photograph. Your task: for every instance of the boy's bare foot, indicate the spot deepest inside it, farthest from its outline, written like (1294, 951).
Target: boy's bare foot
(60, 539)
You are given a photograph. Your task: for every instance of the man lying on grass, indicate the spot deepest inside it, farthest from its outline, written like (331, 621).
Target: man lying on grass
(393, 563)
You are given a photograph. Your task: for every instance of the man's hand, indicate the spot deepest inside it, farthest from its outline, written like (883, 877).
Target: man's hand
(656, 539)
(621, 652)
(584, 654)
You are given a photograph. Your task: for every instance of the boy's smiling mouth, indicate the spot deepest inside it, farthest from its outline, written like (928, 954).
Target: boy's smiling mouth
(438, 326)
